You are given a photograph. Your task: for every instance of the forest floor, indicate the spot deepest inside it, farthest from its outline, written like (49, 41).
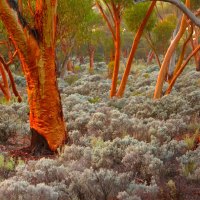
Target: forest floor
(125, 149)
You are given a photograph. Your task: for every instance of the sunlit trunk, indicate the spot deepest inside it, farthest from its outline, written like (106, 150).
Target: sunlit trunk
(181, 70)
(165, 65)
(37, 56)
(4, 84)
(195, 42)
(133, 50)
(46, 117)
(117, 60)
(181, 57)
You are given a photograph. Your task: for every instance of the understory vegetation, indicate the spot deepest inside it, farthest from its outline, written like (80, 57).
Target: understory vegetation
(132, 148)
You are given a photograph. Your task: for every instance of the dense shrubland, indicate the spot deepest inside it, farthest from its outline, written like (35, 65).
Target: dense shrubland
(122, 146)
(128, 149)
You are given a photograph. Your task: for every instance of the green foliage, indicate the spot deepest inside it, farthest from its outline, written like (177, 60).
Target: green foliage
(77, 68)
(194, 4)
(3, 33)
(191, 140)
(70, 28)
(94, 100)
(189, 168)
(3, 101)
(126, 39)
(70, 79)
(122, 3)
(163, 30)
(135, 14)
(111, 69)
(146, 75)
(8, 164)
(97, 142)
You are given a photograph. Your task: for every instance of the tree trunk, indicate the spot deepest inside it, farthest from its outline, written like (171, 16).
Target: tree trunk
(70, 65)
(117, 59)
(182, 54)
(149, 41)
(165, 65)
(172, 63)
(195, 43)
(133, 50)
(37, 55)
(4, 86)
(46, 117)
(62, 69)
(91, 51)
(150, 57)
(181, 70)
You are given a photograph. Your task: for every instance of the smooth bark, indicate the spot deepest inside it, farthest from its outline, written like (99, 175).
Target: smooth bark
(181, 70)
(117, 60)
(165, 64)
(123, 83)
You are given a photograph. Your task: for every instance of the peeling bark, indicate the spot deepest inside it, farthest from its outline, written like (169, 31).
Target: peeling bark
(37, 56)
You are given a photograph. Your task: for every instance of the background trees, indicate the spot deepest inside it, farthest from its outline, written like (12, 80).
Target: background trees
(72, 31)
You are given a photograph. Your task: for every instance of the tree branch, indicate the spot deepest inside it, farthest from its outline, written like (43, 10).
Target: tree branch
(182, 7)
(6, 66)
(110, 11)
(106, 19)
(15, 29)
(181, 69)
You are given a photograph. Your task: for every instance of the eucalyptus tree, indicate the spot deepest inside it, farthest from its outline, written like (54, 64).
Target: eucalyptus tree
(184, 23)
(135, 43)
(112, 11)
(133, 17)
(7, 57)
(73, 19)
(34, 38)
(91, 34)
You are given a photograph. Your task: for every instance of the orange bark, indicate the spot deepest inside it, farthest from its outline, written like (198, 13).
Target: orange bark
(181, 70)
(4, 87)
(37, 56)
(20, 5)
(117, 57)
(13, 85)
(181, 57)
(106, 19)
(114, 27)
(133, 50)
(112, 55)
(164, 68)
